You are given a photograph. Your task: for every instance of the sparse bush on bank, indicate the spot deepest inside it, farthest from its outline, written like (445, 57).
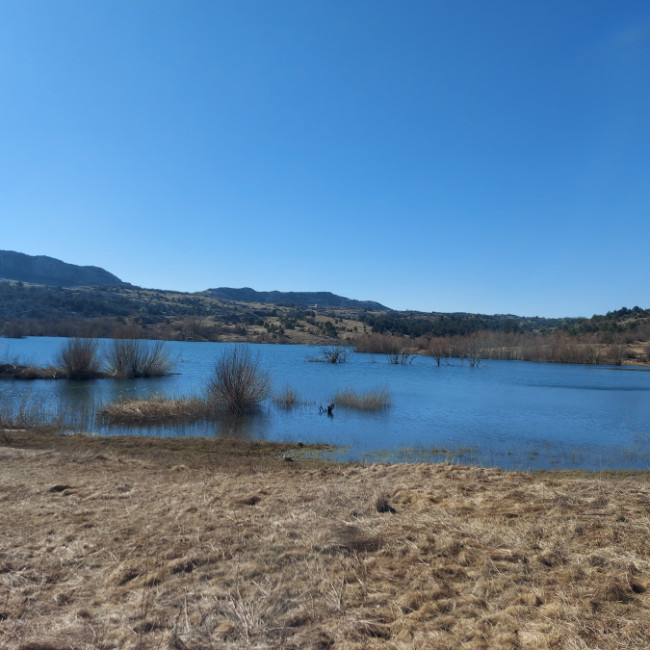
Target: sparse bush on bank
(78, 358)
(130, 358)
(238, 383)
(376, 399)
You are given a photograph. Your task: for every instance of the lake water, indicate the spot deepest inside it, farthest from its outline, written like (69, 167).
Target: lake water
(511, 414)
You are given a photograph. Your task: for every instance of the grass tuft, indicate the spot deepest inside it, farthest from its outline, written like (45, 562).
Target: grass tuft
(287, 398)
(376, 399)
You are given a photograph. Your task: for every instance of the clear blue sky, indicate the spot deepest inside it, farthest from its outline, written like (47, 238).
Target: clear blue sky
(482, 156)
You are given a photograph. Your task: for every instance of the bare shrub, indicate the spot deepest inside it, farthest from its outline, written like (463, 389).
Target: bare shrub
(136, 358)
(403, 358)
(438, 348)
(335, 354)
(392, 346)
(78, 358)
(376, 399)
(238, 382)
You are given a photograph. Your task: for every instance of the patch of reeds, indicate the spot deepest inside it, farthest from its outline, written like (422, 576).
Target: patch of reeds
(376, 399)
(154, 410)
(130, 358)
(25, 410)
(286, 399)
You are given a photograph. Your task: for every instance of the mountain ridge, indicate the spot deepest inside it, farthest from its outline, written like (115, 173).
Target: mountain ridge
(300, 298)
(49, 271)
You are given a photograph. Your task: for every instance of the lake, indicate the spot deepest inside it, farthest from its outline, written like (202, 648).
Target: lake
(511, 414)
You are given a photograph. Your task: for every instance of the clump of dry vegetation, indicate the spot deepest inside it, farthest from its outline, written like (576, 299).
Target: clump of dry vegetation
(145, 543)
(396, 348)
(287, 398)
(376, 399)
(130, 358)
(79, 358)
(155, 409)
(21, 371)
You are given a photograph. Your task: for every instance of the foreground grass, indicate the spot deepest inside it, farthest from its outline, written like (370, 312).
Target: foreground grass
(145, 543)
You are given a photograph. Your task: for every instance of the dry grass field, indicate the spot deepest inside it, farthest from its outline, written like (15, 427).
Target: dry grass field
(141, 543)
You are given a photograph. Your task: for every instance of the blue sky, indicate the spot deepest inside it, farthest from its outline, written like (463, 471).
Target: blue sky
(481, 156)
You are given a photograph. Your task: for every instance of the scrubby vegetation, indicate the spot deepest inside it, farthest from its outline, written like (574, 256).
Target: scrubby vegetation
(79, 358)
(398, 350)
(131, 358)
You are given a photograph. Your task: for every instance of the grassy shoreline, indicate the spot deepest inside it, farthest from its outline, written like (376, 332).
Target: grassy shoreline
(135, 542)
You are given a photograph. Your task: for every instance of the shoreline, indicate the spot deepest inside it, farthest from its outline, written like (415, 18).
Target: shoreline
(123, 542)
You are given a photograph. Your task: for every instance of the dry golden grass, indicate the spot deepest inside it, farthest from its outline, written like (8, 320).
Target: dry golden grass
(155, 409)
(376, 399)
(142, 543)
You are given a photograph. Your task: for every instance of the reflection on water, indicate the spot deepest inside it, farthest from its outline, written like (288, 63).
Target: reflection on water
(251, 427)
(506, 413)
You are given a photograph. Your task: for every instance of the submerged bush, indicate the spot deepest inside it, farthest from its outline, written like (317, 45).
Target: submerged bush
(131, 358)
(336, 354)
(78, 358)
(238, 383)
(373, 400)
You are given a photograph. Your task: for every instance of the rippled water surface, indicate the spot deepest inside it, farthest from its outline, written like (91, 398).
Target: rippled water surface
(506, 413)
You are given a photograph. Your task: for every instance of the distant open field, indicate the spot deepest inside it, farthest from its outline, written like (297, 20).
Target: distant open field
(142, 543)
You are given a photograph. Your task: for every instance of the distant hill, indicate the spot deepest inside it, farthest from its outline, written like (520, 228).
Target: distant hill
(40, 269)
(300, 298)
